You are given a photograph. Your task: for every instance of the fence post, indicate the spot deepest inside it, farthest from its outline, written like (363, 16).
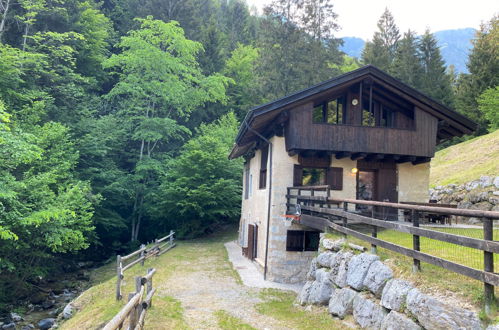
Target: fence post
(156, 247)
(142, 254)
(118, 277)
(345, 209)
(416, 267)
(133, 316)
(171, 237)
(149, 286)
(488, 264)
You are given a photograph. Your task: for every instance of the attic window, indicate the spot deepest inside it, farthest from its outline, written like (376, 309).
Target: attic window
(330, 112)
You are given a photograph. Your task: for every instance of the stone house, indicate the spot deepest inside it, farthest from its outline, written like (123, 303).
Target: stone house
(364, 134)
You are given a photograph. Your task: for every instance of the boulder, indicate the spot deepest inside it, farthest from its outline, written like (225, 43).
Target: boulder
(493, 327)
(394, 294)
(486, 181)
(357, 269)
(68, 311)
(305, 293)
(28, 327)
(397, 321)
(15, 317)
(325, 259)
(367, 313)
(339, 268)
(483, 206)
(46, 324)
(48, 304)
(496, 182)
(333, 245)
(312, 269)
(341, 302)
(433, 314)
(9, 326)
(377, 276)
(321, 289)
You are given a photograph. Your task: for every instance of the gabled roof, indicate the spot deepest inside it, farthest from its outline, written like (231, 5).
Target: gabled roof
(456, 123)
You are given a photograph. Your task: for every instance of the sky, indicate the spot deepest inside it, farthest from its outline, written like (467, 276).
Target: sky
(358, 18)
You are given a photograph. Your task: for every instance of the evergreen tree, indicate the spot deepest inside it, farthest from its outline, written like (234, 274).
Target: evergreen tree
(435, 82)
(381, 51)
(406, 65)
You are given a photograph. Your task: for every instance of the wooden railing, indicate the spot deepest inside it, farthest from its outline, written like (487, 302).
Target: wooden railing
(134, 312)
(321, 211)
(157, 248)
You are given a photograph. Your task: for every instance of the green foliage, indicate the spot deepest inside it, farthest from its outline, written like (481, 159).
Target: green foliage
(488, 103)
(202, 189)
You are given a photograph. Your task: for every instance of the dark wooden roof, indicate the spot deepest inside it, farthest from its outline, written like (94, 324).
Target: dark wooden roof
(258, 118)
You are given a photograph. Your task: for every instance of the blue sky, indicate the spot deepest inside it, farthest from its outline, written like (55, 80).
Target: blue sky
(358, 18)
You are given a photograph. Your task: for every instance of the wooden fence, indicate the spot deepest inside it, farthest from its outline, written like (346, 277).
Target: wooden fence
(159, 247)
(134, 312)
(316, 203)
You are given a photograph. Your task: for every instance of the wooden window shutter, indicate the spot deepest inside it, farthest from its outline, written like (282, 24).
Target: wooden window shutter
(297, 175)
(335, 178)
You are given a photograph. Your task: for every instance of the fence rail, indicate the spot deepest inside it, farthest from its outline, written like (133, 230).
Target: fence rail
(156, 249)
(134, 311)
(319, 213)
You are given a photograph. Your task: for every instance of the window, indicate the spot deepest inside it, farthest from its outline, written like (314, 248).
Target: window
(246, 180)
(263, 167)
(368, 117)
(250, 185)
(300, 240)
(313, 176)
(386, 117)
(330, 112)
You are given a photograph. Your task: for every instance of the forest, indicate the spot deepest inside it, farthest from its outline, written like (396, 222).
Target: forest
(117, 117)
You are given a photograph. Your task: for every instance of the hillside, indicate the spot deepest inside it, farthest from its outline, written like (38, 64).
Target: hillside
(466, 161)
(454, 46)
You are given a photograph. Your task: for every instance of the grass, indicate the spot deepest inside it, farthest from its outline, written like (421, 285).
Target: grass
(466, 161)
(280, 305)
(229, 322)
(97, 305)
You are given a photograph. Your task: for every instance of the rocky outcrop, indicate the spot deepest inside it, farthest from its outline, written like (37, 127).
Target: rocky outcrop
(364, 286)
(481, 194)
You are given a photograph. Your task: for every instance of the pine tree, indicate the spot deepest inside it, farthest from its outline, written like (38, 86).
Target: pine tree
(406, 65)
(435, 81)
(381, 51)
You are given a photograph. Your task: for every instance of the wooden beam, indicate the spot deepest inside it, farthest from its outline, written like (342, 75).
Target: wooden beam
(375, 157)
(343, 154)
(421, 160)
(405, 159)
(292, 152)
(358, 155)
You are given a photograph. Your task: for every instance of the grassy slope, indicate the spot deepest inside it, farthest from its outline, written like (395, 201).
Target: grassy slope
(466, 161)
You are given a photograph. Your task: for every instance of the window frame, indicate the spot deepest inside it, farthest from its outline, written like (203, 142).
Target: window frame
(302, 236)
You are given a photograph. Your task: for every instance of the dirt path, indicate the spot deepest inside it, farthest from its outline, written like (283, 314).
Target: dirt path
(206, 285)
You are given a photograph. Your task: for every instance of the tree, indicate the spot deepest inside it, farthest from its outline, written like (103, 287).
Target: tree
(381, 51)
(202, 189)
(488, 103)
(435, 82)
(31, 10)
(159, 83)
(406, 64)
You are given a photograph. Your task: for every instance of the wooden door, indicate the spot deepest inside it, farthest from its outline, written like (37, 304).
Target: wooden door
(387, 192)
(251, 241)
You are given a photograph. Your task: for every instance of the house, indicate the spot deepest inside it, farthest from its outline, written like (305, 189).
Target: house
(364, 134)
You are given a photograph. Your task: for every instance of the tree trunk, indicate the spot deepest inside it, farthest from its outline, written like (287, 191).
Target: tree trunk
(4, 18)
(25, 36)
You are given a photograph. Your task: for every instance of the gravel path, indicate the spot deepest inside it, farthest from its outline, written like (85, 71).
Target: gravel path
(205, 285)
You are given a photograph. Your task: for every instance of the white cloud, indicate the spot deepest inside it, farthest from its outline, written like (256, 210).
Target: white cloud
(358, 18)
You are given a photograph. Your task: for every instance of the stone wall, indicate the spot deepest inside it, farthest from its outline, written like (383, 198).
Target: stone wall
(360, 284)
(481, 194)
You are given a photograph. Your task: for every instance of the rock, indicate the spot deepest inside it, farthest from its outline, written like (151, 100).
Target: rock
(339, 268)
(312, 269)
(15, 317)
(321, 289)
(9, 326)
(377, 276)
(464, 205)
(472, 185)
(305, 293)
(83, 276)
(85, 264)
(357, 269)
(46, 324)
(495, 193)
(68, 311)
(37, 298)
(483, 206)
(397, 321)
(341, 302)
(367, 313)
(48, 304)
(496, 182)
(325, 258)
(485, 181)
(28, 327)
(394, 294)
(493, 327)
(433, 314)
(333, 245)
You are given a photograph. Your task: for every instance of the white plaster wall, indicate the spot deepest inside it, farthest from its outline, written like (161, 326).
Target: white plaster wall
(413, 182)
(349, 179)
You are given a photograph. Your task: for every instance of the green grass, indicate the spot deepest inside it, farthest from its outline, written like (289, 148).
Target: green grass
(280, 305)
(466, 161)
(229, 322)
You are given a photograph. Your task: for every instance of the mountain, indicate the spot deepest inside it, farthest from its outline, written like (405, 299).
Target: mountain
(454, 46)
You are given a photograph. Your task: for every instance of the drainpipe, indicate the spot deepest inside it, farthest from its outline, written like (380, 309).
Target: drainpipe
(270, 196)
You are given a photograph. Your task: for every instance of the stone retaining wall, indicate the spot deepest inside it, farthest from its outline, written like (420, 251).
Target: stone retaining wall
(362, 285)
